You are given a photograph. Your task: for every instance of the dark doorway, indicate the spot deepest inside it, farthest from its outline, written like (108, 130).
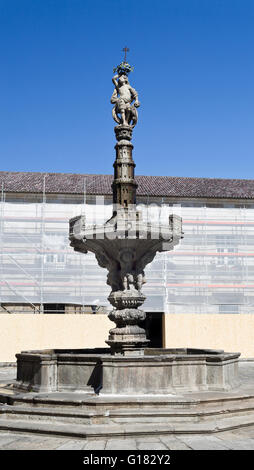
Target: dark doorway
(153, 327)
(54, 308)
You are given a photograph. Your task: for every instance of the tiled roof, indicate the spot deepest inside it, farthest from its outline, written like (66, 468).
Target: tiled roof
(167, 186)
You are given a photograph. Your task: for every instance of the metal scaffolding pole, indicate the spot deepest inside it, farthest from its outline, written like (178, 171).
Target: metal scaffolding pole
(1, 239)
(43, 207)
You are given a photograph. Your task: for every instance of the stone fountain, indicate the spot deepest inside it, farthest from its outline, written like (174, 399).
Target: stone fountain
(124, 245)
(126, 388)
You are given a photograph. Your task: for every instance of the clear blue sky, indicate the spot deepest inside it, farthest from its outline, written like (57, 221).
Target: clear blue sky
(194, 71)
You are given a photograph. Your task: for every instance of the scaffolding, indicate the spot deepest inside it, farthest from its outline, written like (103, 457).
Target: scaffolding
(210, 271)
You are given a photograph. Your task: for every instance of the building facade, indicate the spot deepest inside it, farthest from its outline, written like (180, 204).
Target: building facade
(210, 272)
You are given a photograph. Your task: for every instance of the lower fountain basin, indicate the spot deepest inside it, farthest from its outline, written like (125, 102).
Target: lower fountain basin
(158, 372)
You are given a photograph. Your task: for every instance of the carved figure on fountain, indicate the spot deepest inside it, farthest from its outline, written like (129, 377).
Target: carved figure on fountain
(123, 95)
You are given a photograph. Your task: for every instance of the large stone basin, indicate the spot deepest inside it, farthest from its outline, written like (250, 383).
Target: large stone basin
(157, 372)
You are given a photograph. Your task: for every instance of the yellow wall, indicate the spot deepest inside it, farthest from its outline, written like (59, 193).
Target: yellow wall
(233, 333)
(24, 332)
(21, 332)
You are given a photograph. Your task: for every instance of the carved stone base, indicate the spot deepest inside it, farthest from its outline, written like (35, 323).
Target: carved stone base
(128, 348)
(128, 337)
(123, 132)
(126, 299)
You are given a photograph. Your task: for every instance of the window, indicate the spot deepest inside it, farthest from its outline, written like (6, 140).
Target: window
(226, 308)
(55, 258)
(226, 256)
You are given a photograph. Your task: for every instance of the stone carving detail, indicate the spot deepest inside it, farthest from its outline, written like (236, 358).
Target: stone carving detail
(130, 317)
(128, 335)
(124, 134)
(124, 112)
(126, 272)
(131, 277)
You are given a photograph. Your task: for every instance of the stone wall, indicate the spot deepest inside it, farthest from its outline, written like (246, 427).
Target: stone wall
(27, 332)
(233, 333)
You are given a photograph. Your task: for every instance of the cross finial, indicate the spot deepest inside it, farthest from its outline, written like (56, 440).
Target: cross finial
(125, 50)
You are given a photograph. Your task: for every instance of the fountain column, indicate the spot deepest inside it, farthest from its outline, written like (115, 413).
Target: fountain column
(128, 336)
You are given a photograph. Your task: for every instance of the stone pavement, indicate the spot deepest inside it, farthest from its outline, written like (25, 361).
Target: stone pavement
(242, 439)
(239, 439)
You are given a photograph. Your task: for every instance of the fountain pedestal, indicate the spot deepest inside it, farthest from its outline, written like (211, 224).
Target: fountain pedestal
(124, 245)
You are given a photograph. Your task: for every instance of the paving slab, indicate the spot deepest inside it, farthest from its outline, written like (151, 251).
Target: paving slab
(121, 444)
(73, 445)
(151, 445)
(173, 443)
(95, 445)
(32, 443)
(7, 439)
(239, 444)
(204, 443)
(147, 439)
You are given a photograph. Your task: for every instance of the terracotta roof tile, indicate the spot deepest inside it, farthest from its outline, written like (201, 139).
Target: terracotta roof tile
(167, 186)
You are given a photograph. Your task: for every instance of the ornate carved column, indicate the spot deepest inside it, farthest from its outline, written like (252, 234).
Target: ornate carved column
(124, 185)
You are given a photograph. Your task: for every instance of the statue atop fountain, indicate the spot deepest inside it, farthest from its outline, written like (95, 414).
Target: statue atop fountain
(123, 96)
